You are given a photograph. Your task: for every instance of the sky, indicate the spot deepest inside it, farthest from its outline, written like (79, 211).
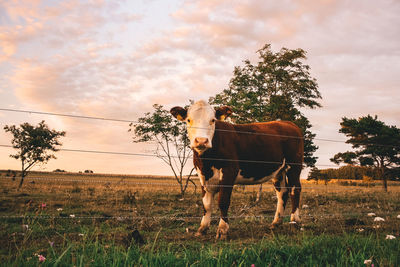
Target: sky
(115, 59)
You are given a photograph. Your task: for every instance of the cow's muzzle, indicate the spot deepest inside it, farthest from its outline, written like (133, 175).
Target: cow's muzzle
(201, 144)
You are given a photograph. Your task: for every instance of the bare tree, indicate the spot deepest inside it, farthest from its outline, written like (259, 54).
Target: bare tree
(171, 140)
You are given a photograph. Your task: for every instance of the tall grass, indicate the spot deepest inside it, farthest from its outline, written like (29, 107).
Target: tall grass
(324, 250)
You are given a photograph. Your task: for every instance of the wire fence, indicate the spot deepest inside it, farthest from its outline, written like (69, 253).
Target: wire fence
(127, 181)
(136, 122)
(151, 184)
(180, 217)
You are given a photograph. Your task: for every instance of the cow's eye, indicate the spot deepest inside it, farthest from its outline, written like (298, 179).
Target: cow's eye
(212, 121)
(189, 120)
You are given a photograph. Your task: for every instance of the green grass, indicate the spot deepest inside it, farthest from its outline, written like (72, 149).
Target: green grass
(299, 250)
(329, 235)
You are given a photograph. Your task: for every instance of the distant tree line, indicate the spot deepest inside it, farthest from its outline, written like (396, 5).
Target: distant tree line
(352, 172)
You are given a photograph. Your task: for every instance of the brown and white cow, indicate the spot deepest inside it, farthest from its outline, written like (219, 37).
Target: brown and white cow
(226, 154)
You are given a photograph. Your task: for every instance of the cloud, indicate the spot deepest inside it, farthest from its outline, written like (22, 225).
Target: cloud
(97, 58)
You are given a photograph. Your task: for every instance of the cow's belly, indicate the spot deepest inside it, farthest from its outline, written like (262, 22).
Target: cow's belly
(240, 179)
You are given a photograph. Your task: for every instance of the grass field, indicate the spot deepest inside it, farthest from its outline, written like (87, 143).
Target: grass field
(93, 220)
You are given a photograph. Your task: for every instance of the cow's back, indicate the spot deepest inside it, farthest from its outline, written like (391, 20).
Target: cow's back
(262, 147)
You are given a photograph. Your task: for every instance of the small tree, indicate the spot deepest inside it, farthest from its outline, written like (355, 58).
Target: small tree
(34, 145)
(376, 144)
(171, 139)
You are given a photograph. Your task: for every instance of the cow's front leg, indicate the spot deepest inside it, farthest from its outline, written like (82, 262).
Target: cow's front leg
(208, 198)
(224, 199)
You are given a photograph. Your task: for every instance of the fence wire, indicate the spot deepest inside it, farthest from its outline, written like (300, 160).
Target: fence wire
(177, 218)
(119, 181)
(136, 122)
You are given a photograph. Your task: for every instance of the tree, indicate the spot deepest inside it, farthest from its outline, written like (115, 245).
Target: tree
(376, 144)
(274, 88)
(316, 174)
(171, 140)
(34, 145)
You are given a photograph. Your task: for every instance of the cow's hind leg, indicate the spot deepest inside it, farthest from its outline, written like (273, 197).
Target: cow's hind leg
(208, 198)
(294, 183)
(282, 194)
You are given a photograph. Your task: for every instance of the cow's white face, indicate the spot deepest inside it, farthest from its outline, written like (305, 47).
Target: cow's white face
(200, 120)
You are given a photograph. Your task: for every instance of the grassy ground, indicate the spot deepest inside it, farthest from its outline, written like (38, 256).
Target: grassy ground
(83, 222)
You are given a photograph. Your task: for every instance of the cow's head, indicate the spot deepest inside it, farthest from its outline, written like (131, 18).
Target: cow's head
(200, 119)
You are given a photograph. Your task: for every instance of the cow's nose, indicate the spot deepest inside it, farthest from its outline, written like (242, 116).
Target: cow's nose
(200, 141)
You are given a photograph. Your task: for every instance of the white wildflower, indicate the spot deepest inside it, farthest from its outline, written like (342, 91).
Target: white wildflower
(368, 262)
(376, 226)
(371, 214)
(305, 206)
(390, 237)
(398, 216)
(379, 219)
(360, 230)
(80, 234)
(72, 215)
(292, 222)
(59, 209)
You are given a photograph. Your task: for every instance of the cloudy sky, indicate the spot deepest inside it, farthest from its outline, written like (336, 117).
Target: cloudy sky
(115, 59)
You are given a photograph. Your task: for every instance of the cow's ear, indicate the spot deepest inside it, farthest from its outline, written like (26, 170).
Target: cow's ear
(223, 112)
(179, 113)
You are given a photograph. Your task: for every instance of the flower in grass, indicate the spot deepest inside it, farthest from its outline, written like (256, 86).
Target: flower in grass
(41, 258)
(379, 219)
(253, 265)
(390, 237)
(371, 214)
(80, 234)
(398, 216)
(305, 206)
(51, 243)
(292, 222)
(368, 262)
(59, 209)
(72, 215)
(25, 227)
(43, 205)
(360, 230)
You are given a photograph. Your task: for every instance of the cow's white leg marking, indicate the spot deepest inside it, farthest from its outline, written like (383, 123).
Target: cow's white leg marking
(210, 187)
(280, 206)
(222, 232)
(295, 216)
(206, 219)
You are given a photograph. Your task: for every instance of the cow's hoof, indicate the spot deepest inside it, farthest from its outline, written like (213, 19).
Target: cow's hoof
(201, 232)
(197, 234)
(274, 226)
(221, 236)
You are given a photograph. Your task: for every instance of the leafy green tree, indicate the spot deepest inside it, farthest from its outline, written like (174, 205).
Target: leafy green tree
(276, 87)
(375, 143)
(171, 139)
(34, 145)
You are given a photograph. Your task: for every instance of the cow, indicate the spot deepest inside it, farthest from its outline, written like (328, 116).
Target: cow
(225, 154)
